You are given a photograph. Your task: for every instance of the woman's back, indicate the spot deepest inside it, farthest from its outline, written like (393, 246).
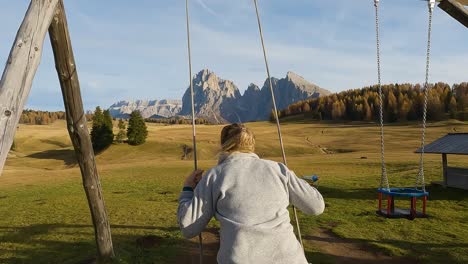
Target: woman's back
(250, 190)
(249, 197)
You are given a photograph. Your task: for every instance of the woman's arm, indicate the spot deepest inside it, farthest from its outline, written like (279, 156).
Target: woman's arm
(195, 208)
(304, 196)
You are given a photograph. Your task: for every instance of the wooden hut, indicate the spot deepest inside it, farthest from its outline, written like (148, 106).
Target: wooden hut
(453, 144)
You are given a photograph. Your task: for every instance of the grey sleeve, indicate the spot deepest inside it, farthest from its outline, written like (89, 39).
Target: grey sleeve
(303, 196)
(195, 209)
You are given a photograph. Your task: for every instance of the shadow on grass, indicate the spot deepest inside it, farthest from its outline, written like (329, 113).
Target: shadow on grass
(55, 143)
(66, 155)
(154, 247)
(32, 245)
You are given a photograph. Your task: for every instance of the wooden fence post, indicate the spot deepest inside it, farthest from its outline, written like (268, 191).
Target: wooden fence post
(21, 66)
(78, 130)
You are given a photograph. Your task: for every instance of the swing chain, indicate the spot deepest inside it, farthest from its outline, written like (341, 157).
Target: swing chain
(275, 109)
(194, 138)
(420, 182)
(383, 178)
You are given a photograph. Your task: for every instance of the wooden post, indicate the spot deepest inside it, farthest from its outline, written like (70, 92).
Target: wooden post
(21, 66)
(444, 168)
(78, 130)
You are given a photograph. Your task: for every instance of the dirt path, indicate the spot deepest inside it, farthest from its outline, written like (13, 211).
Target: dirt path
(191, 254)
(347, 251)
(343, 251)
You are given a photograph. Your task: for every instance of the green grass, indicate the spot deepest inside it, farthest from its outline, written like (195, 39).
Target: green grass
(45, 217)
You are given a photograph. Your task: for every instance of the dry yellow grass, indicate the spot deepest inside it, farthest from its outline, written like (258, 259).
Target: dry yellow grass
(45, 216)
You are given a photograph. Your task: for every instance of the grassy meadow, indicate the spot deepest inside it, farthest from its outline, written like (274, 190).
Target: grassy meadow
(45, 218)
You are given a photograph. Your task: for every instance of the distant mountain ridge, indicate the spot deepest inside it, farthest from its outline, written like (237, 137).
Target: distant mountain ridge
(148, 108)
(220, 101)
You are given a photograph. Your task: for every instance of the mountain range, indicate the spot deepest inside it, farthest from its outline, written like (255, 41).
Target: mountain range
(220, 100)
(147, 108)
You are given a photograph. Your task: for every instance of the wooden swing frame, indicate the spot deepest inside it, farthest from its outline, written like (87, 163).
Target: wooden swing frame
(16, 82)
(15, 85)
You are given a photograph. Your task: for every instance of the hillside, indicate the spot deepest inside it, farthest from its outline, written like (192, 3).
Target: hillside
(402, 102)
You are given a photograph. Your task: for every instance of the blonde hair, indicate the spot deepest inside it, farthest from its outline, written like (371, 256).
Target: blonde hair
(237, 138)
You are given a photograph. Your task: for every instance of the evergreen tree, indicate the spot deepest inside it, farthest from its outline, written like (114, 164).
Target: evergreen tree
(136, 131)
(122, 133)
(101, 132)
(107, 129)
(98, 120)
(107, 119)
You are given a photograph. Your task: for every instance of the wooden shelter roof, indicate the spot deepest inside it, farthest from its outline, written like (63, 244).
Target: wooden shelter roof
(452, 143)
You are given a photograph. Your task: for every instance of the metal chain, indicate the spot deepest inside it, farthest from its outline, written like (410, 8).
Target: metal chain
(276, 114)
(420, 182)
(383, 178)
(194, 138)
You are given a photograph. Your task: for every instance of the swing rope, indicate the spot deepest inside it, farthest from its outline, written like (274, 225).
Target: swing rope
(383, 178)
(420, 182)
(194, 134)
(275, 109)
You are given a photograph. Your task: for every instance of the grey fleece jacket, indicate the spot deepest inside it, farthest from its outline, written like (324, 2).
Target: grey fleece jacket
(250, 196)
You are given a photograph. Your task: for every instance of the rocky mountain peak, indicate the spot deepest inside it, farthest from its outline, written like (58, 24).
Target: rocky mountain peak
(205, 79)
(252, 88)
(293, 77)
(213, 97)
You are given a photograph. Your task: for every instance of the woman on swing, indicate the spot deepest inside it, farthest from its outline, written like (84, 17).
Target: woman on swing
(249, 196)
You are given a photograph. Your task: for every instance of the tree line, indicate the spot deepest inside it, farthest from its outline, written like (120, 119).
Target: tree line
(33, 117)
(401, 102)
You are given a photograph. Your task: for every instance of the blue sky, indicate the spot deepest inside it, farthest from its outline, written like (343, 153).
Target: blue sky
(137, 49)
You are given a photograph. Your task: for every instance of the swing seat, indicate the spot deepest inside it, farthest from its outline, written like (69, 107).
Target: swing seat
(392, 212)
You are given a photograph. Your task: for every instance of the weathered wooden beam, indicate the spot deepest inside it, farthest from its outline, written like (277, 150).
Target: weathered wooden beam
(463, 2)
(455, 9)
(21, 66)
(78, 129)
